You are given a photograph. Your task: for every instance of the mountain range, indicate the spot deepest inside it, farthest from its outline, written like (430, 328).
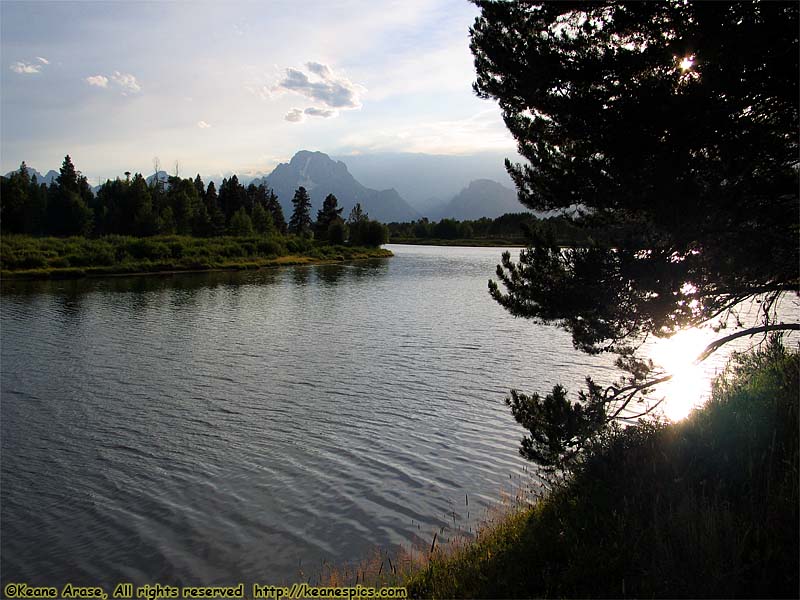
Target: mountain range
(481, 198)
(428, 181)
(422, 185)
(47, 178)
(321, 175)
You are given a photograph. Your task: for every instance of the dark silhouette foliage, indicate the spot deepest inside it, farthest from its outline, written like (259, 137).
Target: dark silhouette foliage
(134, 207)
(674, 124)
(326, 215)
(300, 223)
(337, 232)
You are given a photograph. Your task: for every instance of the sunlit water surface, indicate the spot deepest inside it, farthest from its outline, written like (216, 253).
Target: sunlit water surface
(224, 427)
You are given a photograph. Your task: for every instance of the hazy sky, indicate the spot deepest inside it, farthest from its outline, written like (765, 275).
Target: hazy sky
(236, 86)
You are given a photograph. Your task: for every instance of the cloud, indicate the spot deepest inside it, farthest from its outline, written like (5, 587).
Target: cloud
(321, 84)
(321, 112)
(203, 125)
(319, 69)
(295, 115)
(484, 130)
(43, 60)
(97, 80)
(298, 115)
(25, 68)
(126, 82)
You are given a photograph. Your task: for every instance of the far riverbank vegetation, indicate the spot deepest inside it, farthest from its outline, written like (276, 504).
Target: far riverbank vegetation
(510, 229)
(133, 225)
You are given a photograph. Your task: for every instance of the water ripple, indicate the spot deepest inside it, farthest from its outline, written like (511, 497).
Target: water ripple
(211, 428)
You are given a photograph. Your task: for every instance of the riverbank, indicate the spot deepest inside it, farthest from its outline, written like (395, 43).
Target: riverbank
(24, 257)
(706, 507)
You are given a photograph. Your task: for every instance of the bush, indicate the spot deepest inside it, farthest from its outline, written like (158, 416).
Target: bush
(270, 247)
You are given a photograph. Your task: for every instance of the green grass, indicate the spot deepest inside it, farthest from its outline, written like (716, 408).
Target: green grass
(707, 507)
(35, 258)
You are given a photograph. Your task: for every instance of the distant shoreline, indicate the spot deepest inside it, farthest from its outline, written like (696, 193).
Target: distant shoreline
(475, 242)
(98, 272)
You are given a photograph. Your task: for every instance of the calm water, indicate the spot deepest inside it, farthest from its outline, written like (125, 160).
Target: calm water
(225, 427)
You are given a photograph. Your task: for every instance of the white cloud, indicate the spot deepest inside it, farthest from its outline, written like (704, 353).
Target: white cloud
(484, 130)
(319, 69)
(298, 115)
(321, 84)
(295, 115)
(97, 80)
(203, 125)
(126, 82)
(25, 68)
(43, 60)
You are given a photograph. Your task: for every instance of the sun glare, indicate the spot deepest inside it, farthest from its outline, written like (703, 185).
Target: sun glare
(688, 385)
(687, 63)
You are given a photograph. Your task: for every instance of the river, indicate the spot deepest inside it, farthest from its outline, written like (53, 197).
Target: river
(212, 428)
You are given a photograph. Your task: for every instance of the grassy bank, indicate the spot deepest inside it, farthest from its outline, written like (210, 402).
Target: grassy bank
(707, 507)
(39, 258)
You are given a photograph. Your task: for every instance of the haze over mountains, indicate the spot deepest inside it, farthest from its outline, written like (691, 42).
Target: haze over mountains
(428, 181)
(389, 186)
(481, 198)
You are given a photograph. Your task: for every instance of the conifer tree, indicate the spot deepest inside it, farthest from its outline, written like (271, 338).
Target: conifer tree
(215, 215)
(240, 224)
(326, 215)
(68, 210)
(674, 123)
(300, 223)
(275, 209)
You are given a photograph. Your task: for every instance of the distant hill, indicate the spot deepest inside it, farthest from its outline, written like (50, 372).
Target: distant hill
(481, 198)
(47, 178)
(428, 181)
(321, 175)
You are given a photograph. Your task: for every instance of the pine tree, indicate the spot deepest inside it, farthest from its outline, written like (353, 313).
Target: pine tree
(240, 224)
(275, 209)
(68, 210)
(649, 120)
(200, 187)
(215, 215)
(300, 223)
(357, 215)
(15, 200)
(326, 215)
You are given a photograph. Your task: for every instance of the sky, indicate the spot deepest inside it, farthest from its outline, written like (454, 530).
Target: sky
(225, 87)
